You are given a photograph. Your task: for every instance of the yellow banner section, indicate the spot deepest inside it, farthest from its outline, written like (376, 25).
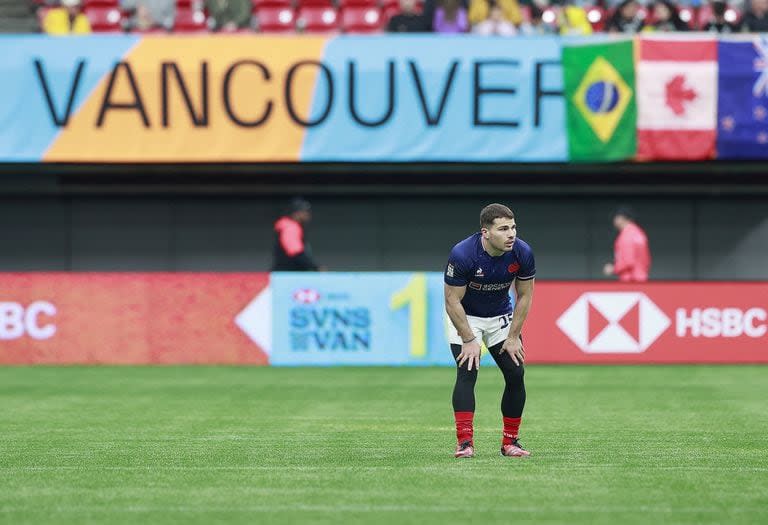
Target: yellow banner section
(229, 98)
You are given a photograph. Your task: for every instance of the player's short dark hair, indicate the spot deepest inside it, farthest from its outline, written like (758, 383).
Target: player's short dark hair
(492, 212)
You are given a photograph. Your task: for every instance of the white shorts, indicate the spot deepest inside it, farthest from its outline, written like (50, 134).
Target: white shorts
(489, 330)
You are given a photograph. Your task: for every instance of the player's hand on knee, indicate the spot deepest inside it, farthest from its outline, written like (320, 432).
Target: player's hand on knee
(470, 353)
(514, 347)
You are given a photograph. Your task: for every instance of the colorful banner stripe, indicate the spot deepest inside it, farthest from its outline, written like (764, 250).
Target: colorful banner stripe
(421, 98)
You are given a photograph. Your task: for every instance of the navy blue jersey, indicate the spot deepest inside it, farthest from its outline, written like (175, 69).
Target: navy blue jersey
(488, 278)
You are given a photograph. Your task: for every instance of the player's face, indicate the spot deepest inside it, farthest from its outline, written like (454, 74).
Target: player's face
(501, 235)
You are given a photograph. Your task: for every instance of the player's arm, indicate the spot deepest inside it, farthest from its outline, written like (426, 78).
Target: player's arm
(470, 348)
(514, 345)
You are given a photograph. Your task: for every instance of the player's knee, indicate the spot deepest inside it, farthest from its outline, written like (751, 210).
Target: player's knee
(514, 373)
(466, 376)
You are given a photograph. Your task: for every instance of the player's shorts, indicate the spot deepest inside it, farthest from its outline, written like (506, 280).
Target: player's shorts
(489, 330)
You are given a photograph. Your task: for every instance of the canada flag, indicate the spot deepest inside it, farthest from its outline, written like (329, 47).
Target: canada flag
(676, 98)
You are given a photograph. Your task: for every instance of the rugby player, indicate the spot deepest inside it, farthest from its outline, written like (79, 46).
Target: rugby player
(480, 271)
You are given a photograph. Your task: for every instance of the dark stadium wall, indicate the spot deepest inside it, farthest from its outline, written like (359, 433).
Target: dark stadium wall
(722, 238)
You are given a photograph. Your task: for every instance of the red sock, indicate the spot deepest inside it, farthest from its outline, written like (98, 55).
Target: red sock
(464, 426)
(511, 427)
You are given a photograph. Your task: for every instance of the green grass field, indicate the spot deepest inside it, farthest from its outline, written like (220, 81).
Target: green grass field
(341, 445)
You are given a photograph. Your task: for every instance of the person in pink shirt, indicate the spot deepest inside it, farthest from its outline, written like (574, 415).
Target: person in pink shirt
(632, 258)
(291, 250)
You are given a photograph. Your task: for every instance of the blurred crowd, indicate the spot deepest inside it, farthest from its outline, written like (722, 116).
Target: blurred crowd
(482, 17)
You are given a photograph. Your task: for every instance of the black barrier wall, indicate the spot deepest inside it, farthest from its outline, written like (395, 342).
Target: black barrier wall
(691, 237)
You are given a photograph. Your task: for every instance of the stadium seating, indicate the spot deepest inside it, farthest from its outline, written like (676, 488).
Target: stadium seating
(189, 20)
(688, 15)
(104, 18)
(101, 3)
(361, 19)
(333, 16)
(317, 19)
(343, 4)
(706, 15)
(314, 3)
(597, 17)
(275, 19)
(258, 4)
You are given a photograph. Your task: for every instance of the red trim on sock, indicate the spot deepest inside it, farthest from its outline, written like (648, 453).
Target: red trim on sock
(511, 428)
(464, 427)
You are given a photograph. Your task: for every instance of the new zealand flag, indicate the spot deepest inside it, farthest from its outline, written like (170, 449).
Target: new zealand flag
(742, 116)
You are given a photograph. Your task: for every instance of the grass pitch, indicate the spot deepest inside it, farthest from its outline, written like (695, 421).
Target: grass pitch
(341, 445)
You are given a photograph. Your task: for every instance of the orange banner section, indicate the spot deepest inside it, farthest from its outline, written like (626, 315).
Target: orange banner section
(68, 318)
(197, 99)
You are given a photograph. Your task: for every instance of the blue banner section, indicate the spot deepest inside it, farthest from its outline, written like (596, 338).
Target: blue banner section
(421, 98)
(743, 99)
(329, 319)
(45, 81)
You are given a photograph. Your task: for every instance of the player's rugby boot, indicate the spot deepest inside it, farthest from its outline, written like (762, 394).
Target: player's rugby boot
(464, 450)
(514, 450)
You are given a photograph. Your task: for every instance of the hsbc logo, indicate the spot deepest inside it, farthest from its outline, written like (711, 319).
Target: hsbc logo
(613, 322)
(306, 296)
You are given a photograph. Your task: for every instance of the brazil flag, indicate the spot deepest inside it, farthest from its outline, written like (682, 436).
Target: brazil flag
(599, 90)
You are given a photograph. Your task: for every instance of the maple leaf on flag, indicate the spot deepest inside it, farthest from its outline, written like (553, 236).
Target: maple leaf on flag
(677, 94)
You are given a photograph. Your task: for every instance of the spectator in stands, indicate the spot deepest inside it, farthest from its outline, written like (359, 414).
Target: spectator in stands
(626, 19)
(666, 18)
(68, 19)
(573, 21)
(632, 258)
(495, 24)
(537, 25)
(228, 15)
(480, 11)
(291, 252)
(719, 24)
(408, 20)
(430, 6)
(450, 18)
(150, 14)
(756, 17)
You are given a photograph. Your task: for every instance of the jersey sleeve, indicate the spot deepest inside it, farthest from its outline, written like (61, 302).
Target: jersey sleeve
(527, 265)
(457, 270)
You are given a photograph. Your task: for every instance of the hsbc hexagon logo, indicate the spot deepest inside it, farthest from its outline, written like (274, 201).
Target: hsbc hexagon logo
(613, 322)
(306, 296)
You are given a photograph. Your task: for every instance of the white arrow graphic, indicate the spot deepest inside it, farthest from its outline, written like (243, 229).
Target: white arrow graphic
(256, 320)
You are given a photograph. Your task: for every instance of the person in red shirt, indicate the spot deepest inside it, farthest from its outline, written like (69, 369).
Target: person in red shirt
(291, 252)
(632, 258)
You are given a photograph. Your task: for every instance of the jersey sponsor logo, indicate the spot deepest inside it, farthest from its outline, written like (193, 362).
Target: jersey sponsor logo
(613, 322)
(449, 270)
(513, 268)
(490, 287)
(306, 296)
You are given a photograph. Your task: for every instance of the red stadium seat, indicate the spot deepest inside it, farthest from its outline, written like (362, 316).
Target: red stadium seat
(275, 19)
(597, 18)
(102, 3)
(392, 7)
(190, 21)
(550, 15)
(105, 19)
(314, 3)
(257, 4)
(317, 19)
(361, 19)
(688, 16)
(343, 4)
(525, 13)
(706, 15)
